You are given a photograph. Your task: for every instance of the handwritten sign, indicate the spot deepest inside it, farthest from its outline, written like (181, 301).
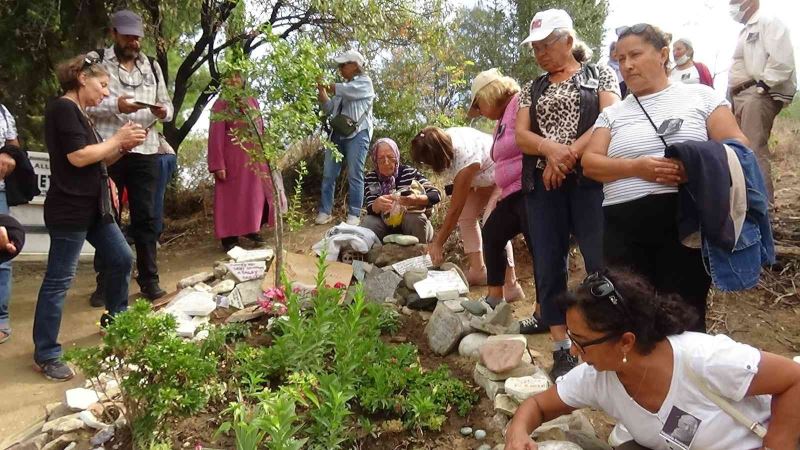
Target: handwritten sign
(246, 271)
(440, 281)
(417, 262)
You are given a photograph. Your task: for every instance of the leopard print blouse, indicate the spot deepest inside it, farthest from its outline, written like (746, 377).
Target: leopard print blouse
(558, 109)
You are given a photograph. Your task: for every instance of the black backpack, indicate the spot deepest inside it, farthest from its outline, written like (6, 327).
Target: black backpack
(587, 83)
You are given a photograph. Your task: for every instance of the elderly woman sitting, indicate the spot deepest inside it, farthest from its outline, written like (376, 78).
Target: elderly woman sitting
(390, 183)
(644, 369)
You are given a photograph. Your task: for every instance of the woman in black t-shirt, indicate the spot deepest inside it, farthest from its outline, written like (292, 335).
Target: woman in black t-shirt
(78, 206)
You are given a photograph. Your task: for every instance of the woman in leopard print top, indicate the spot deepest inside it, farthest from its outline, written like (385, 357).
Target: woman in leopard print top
(559, 200)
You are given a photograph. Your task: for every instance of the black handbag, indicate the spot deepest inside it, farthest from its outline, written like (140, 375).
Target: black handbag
(344, 125)
(22, 183)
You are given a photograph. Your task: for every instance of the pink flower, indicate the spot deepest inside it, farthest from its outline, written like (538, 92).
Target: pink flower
(275, 293)
(340, 285)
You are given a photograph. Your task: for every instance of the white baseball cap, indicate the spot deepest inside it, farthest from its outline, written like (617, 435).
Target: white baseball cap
(350, 56)
(544, 22)
(482, 80)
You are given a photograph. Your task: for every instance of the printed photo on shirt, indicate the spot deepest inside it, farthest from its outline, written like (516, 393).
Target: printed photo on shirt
(680, 429)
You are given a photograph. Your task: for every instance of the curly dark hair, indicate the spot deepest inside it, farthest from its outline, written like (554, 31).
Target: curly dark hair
(648, 315)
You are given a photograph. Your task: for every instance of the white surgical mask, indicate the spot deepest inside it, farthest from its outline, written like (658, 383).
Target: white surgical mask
(682, 60)
(736, 13)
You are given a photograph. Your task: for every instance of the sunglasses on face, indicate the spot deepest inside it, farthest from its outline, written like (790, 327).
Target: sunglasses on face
(639, 28)
(581, 346)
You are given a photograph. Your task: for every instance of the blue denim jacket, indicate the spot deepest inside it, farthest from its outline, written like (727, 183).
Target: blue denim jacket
(740, 269)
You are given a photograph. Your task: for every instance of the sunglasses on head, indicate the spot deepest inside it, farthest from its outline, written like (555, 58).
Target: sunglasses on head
(90, 61)
(601, 288)
(639, 28)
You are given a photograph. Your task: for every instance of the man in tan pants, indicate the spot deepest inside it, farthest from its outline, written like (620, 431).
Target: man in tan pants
(762, 78)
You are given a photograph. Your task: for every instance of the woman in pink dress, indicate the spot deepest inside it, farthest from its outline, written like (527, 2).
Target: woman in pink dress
(243, 199)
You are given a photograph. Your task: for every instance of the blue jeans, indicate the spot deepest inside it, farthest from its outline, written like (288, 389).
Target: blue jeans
(167, 165)
(5, 276)
(62, 261)
(574, 208)
(354, 151)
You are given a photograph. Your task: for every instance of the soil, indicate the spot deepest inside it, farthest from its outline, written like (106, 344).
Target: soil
(765, 317)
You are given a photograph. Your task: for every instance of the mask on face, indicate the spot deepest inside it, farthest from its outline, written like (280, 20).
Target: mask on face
(736, 13)
(682, 60)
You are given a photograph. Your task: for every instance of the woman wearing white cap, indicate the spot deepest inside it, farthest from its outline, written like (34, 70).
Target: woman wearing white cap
(686, 69)
(350, 112)
(556, 115)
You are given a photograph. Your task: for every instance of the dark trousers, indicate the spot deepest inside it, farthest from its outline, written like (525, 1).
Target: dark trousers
(507, 220)
(575, 208)
(642, 236)
(62, 261)
(140, 175)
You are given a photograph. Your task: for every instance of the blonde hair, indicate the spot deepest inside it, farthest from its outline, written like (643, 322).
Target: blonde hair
(498, 91)
(68, 71)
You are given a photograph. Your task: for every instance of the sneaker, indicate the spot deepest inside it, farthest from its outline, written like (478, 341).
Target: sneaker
(323, 218)
(563, 362)
(255, 238)
(532, 325)
(55, 369)
(352, 220)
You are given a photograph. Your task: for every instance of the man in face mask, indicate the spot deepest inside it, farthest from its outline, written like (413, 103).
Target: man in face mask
(762, 78)
(686, 69)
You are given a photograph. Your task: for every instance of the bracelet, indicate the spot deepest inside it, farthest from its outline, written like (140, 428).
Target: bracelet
(541, 143)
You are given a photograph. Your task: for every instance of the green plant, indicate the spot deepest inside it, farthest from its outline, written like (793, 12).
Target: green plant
(160, 375)
(249, 434)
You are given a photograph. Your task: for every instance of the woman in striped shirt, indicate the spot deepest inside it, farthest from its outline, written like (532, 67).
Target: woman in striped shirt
(640, 185)
(388, 178)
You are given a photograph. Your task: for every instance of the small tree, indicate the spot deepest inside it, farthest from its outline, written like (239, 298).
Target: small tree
(283, 82)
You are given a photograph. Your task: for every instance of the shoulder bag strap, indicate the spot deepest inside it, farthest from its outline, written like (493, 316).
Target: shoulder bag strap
(655, 128)
(753, 425)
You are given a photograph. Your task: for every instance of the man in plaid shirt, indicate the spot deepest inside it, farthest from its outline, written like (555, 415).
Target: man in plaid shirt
(138, 94)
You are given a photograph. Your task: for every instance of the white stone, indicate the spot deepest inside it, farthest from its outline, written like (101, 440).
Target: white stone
(454, 305)
(505, 404)
(261, 254)
(201, 277)
(523, 387)
(522, 370)
(245, 294)
(79, 399)
(246, 271)
(193, 303)
(511, 337)
(236, 252)
(796, 359)
(202, 287)
(469, 346)
(63, 425)
(451, 294)
(91, 421)
(223, 287)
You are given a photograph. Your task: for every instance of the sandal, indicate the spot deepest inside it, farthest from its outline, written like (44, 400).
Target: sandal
(5, 334)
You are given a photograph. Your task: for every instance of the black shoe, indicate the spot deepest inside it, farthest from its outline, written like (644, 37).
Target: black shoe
(255, 238)
(532, 325)
(98, 298)
(563, 362)
(229, 242)
(105, 320)
(152, 291)
(55, 369)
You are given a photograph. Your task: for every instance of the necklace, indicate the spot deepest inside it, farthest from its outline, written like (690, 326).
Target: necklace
(641, 381)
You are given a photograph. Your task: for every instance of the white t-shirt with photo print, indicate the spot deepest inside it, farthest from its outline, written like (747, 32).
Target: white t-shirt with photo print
(686, 419)
(471, 146)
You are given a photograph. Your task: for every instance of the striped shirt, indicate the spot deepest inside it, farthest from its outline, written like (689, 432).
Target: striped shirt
(632, 135)
(405, 175)
(140, 83)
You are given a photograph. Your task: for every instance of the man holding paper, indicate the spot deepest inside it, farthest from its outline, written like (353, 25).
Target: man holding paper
(138, 93)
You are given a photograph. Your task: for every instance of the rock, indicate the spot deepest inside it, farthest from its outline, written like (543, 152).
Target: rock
(522, 370)
(454, 305)
(71, 446)
(523, 387)
(499, 421)
(250, 313)
(485, 447)
(501, 356)
(102, 436)
(361, 269)
(509, 337)
(451, 294)
(79, 399)
(401, 239)
(406, 311)
(499, 446)
(796, 359)
(391, 253)
(239, 254)
(444, 330)
(91, 421)
(33, 443)
(504, 404)
(61, 442)
(466, 431)
(246, 271)
(470, 345)
(557, 445)
(192, 303)
(201, 277)
(55, 410)
(223, 287)
(492, 388)
(414, 275)
(496, 321)
(245, 294)
(451, 266)
(220, 271)
(421, 304)
(480, 434)
(63, 425)
(586, 441)
(475, 307)
(380, 284)
(202, 287)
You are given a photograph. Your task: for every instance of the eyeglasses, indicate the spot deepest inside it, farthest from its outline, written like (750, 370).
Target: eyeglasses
(387, 159)
(601, 288)
(133, 83)
(639, 28)
(581, 346)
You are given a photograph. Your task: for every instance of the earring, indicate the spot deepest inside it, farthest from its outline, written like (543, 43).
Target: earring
(624, 358)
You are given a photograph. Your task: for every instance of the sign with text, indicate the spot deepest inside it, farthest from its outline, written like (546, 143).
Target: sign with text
(246, 271)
